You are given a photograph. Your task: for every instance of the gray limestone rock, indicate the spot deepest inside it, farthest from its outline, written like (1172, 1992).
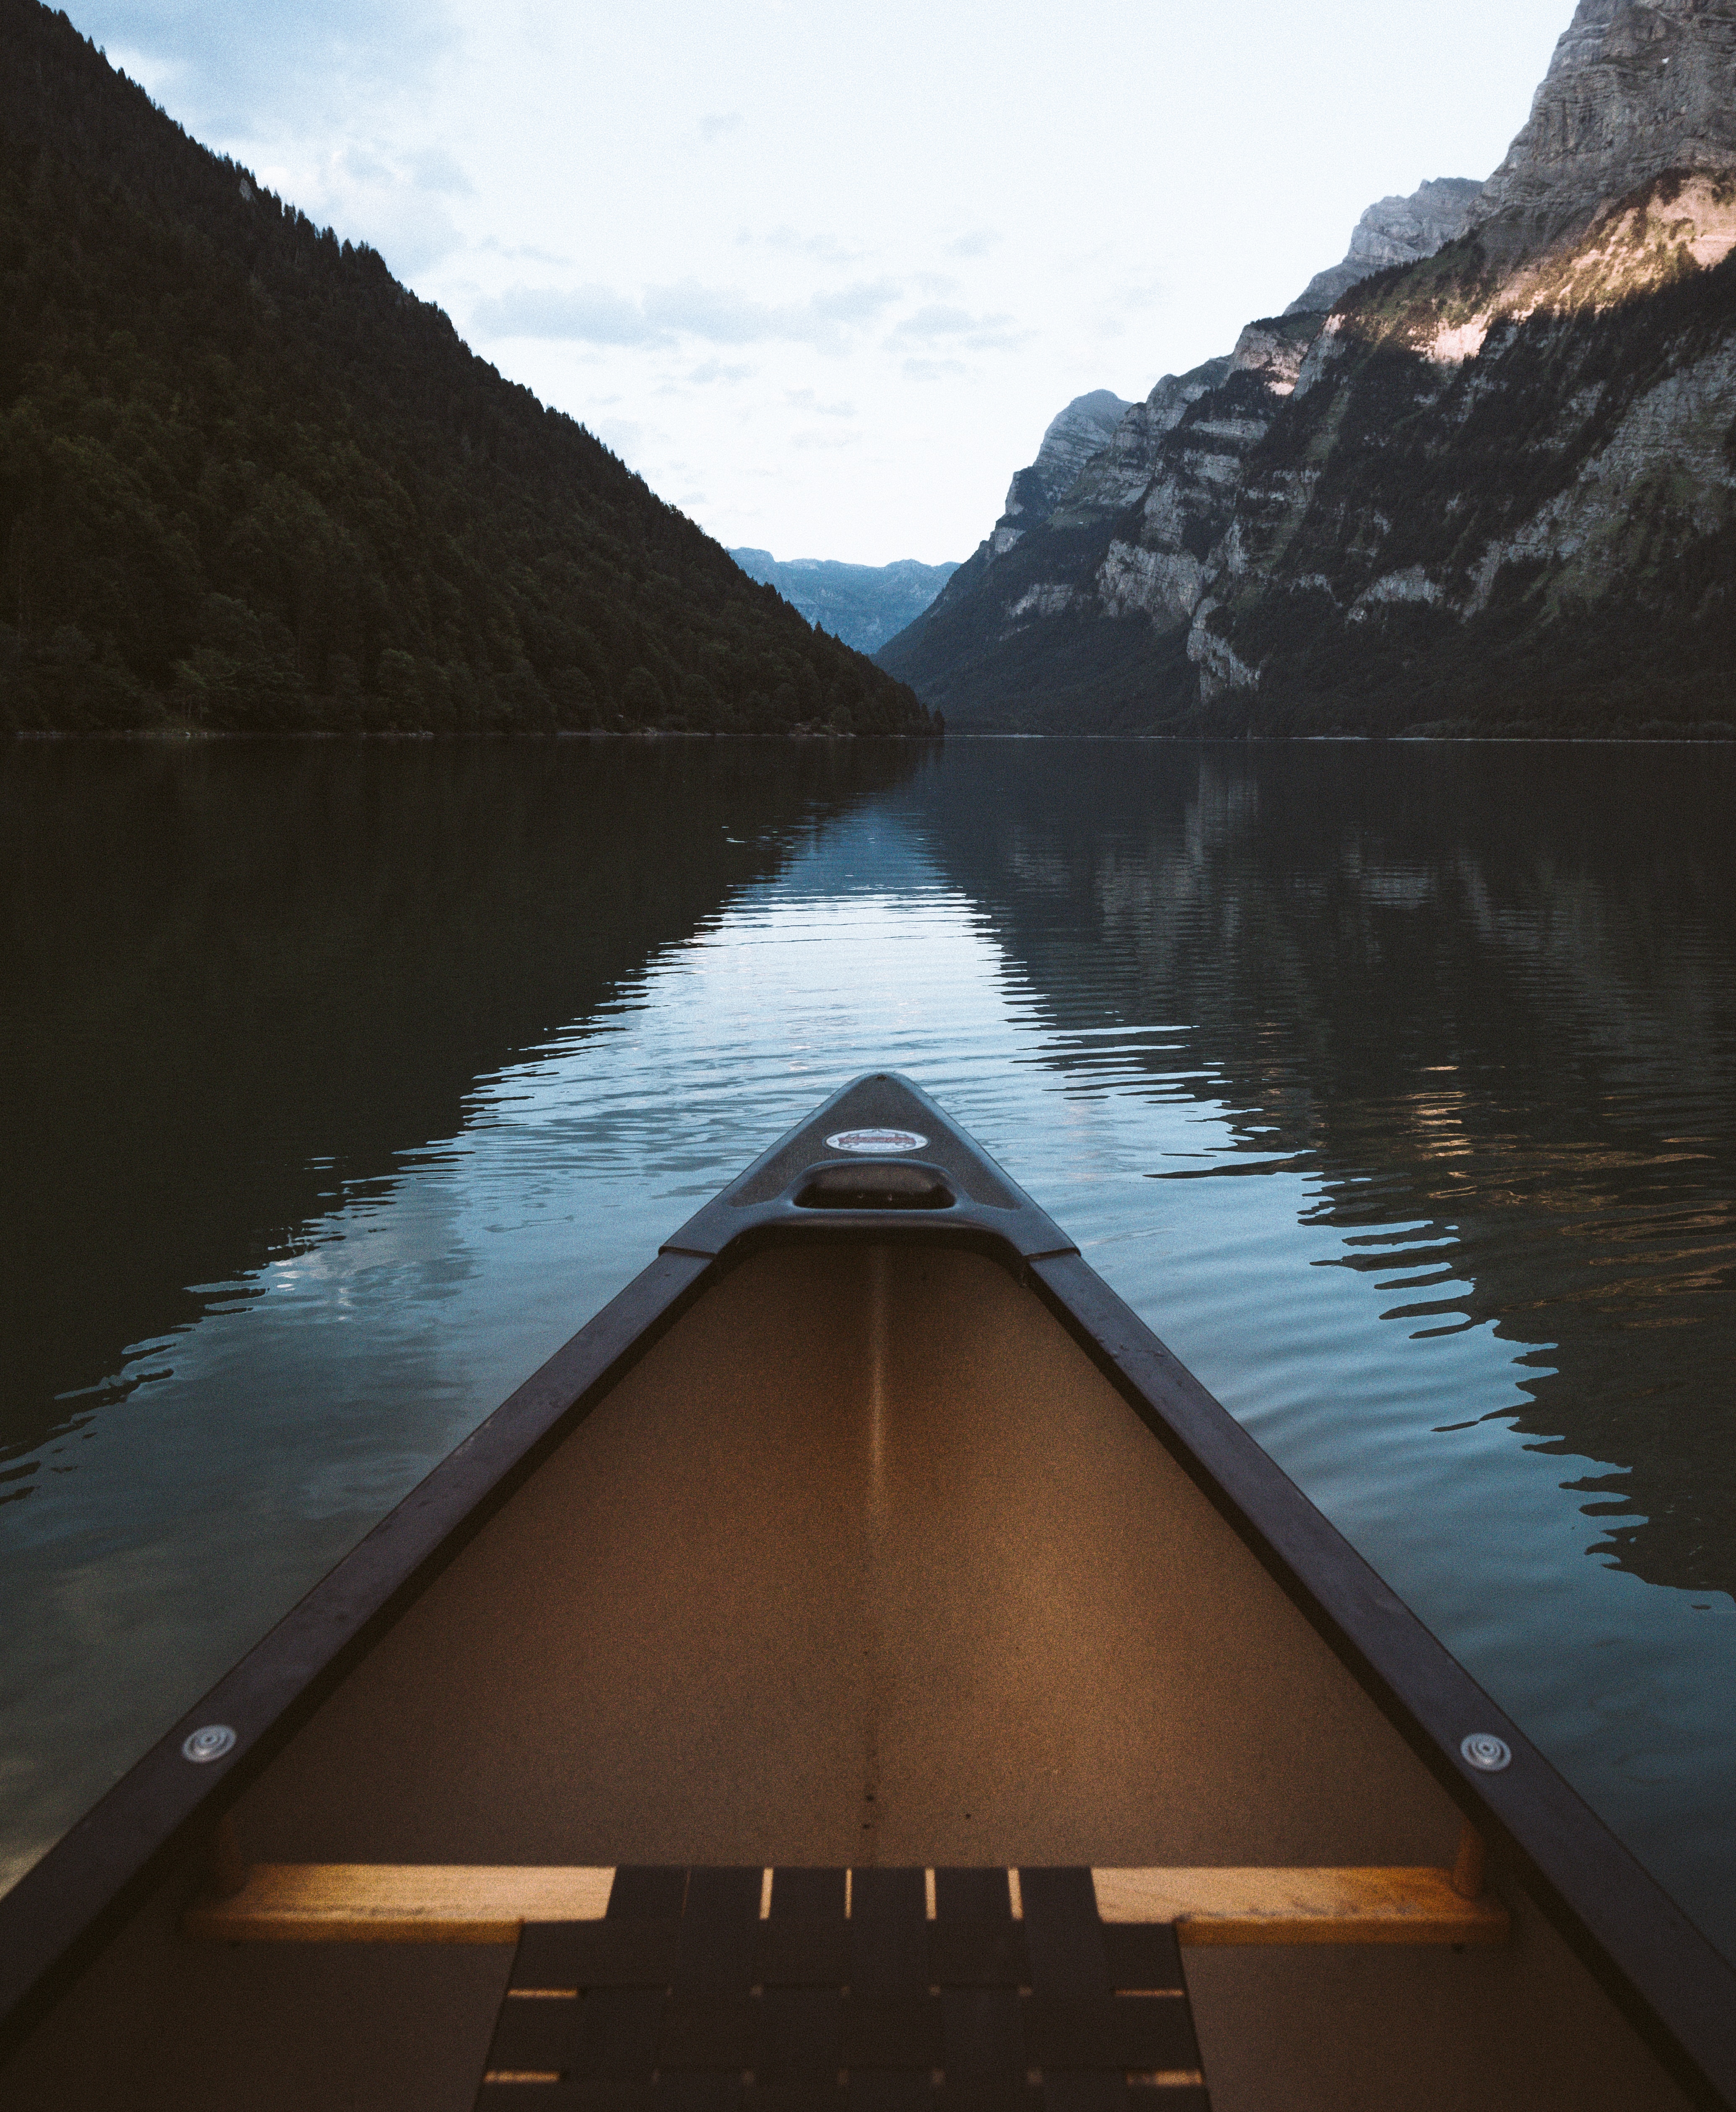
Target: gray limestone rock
(1499, 488)
(1116, 476)
(1074, 435)
(1635, 87)
(1274, 349)
(1396, 230)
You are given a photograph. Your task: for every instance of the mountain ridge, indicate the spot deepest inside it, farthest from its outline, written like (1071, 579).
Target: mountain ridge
(1070, 439)
(1394, 230)
(250, 483)
(1609, 115)
(1494, 489)
(864, 605)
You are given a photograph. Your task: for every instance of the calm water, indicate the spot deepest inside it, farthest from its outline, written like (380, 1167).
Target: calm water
(1393, 1086)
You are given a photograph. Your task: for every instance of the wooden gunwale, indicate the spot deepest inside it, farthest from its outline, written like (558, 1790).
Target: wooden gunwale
(1676, 1990)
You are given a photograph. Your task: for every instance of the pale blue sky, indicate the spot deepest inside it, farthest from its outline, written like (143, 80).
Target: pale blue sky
(823, 274)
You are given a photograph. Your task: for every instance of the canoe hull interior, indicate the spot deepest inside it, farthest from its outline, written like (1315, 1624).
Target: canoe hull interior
(865, 1562)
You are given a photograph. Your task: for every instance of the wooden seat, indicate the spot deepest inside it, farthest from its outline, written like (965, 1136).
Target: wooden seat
(871, 1990)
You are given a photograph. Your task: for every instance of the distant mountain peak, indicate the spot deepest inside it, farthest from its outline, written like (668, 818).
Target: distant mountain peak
(1073, 436)
(1394, 230)
(863, 604)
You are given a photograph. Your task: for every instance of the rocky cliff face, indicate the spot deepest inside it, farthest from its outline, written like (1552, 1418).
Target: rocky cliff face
(1501, 496)
(1124, 508)
(1494, 486)
(1633, 89)
(1075, 435)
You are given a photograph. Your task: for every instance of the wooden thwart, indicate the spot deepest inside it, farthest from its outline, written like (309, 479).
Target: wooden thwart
(1375, 1906)
(477, 1903)
(399, 1902)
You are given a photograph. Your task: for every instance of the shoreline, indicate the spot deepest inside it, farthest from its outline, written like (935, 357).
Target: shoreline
(168, 735)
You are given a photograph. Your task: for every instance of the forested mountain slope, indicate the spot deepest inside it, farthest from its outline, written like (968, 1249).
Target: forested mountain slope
(249, 482)
(1492, 490)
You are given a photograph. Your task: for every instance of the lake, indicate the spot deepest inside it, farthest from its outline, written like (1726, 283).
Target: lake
(1391, 1084)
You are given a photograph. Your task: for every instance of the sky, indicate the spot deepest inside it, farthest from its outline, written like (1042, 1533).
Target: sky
(823, 274)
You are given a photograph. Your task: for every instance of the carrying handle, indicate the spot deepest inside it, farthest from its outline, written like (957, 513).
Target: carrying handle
(875, 1184)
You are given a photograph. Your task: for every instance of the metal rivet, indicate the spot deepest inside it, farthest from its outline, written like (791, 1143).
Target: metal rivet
(211, 1742)
(1484, 1750)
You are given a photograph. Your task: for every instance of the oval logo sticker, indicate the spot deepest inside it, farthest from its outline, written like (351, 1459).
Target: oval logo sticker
(876, 1139)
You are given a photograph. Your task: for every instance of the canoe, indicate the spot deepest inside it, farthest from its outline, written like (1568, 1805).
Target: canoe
(861, 1669)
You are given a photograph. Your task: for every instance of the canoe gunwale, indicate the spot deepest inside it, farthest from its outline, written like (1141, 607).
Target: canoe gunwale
(66, 1907)
(1674, 1988)
(1642, 1950)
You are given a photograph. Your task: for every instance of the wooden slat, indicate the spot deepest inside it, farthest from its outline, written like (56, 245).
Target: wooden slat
(471, 1903)
(1302, 1906)
(399, 1903)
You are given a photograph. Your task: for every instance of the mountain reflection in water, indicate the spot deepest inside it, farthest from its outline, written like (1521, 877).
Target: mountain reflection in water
(246, 977)
(1392, 1085)
(1484, 992)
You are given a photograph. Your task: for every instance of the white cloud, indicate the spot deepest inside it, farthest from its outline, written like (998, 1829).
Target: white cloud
(665, 316)
(823, 248)
(433, 169)
(933, 370)
(804, 399)
(1127, 309)
(806, 438)
(856, 304)
(935, 320)
(522, 252)
(246, 68)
